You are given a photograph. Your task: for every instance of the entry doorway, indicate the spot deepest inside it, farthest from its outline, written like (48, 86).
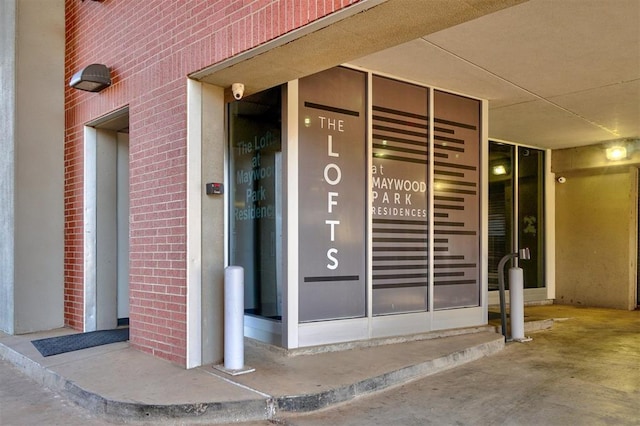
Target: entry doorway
(516, 213)
(106, 223)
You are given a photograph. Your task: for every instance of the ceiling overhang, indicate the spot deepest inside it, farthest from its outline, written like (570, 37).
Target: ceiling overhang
(361, 29)
(555, 76)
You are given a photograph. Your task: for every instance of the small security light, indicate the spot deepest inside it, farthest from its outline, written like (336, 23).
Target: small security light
(92, 78)
(615, 153)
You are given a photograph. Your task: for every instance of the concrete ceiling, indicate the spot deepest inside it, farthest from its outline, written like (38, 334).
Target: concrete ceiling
(557, 74)
(365, 27)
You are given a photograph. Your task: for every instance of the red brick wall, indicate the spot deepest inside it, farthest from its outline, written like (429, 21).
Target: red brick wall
(151, 46)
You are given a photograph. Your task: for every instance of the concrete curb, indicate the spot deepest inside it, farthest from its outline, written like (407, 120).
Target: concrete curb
(217, 412)
(532, 326)
(318, 401)
(259, 409)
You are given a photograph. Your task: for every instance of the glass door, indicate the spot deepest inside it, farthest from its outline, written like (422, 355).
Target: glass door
(516, 190)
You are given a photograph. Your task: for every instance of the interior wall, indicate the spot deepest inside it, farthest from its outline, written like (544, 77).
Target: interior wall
(106, 229)
(39, 165)
(596, 231)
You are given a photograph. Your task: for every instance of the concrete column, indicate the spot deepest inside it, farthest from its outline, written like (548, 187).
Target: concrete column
(32, 165)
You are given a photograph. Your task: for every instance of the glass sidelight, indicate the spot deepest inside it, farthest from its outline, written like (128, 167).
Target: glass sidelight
(255, 219)
(531, 213)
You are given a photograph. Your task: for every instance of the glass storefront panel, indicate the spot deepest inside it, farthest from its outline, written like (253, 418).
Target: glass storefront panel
(400, 197)
(332, 148)
(255, 185)
(456, 189)
(334, 165)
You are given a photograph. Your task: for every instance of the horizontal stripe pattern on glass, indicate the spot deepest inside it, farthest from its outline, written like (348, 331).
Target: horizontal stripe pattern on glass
(400, 135)
(331, 278)
(404, 263)
(330, 108)
(400, 151)
(456, 195)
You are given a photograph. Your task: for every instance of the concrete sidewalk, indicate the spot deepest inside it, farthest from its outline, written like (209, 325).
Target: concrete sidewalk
(123, 384)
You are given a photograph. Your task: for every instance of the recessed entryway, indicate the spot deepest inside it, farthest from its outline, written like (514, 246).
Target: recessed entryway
(106, 222)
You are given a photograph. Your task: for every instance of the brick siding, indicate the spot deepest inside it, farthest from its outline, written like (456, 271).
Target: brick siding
(151, 46)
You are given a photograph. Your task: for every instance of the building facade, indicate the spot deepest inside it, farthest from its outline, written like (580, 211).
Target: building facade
(359, 203)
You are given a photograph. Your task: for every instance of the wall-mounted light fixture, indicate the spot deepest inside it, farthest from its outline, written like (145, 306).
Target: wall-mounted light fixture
(92, 78)
(616, 152)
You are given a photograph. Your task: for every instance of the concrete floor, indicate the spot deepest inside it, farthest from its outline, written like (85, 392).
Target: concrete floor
(122, 384)
(584, 370)
(25, 402)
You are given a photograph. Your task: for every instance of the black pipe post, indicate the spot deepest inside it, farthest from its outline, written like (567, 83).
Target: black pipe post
(503, 308)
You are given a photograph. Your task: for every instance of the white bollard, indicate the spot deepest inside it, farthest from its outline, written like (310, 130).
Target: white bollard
(234, 318)
(516, 303)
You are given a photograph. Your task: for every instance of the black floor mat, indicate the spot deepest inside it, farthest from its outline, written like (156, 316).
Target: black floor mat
(74, 342)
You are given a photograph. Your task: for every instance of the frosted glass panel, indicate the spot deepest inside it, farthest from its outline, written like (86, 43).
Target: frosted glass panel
(456, 201)
(400, 197)
(332, 195)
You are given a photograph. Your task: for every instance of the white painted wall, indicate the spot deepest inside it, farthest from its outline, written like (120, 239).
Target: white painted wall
(32, 164)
